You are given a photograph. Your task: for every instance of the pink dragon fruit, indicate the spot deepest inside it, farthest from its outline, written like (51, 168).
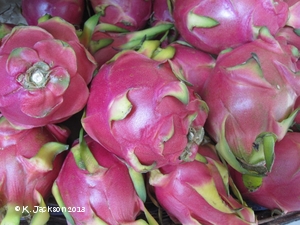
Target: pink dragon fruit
(113, 192)
(292, 29)
(30, 162)
(291, 35)
(70, 10)
(217, 25)
(279, 190)
(131, 15)
(251, 95)
(296, 125)
(294, 11)
(161, 12)
(45, 72)
(140, 111)
(197, 192)
(191, 65)
(108, 40)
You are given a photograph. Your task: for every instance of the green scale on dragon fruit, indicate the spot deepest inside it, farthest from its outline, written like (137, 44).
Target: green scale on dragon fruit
(107, 40)
(278, 191)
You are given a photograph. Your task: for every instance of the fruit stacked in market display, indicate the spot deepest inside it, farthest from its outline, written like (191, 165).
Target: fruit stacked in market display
(187, 106)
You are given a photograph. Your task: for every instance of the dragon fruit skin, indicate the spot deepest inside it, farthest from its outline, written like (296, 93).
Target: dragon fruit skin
(200, 23)
(292, 37)
(30, 162)
(161, 12)
(141, 112)
(296, 125)
(131, 15)
(70, 10)
(109, 196)
(43, 75)
(279, 190)
(244, 124)
(294, 10)
(197, 192)
(192, 65)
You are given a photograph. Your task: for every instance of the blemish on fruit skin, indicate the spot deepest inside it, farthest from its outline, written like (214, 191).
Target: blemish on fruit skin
(255, 146)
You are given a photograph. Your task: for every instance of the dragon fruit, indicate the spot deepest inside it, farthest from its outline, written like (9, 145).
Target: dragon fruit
(30, 162)
(191, 65)
(296, 125)
(70, 10)
(291, 31)
(108, 40)
(213, 26)
(197, 192)
(131, 15)
(161, 12)
(140, 111)
(45, 72)
(294, 10)
(279, 190)
(251, 95)
(291, 35)
(113, 192)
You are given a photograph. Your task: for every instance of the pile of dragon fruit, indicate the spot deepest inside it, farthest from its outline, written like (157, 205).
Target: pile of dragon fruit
(190, 104)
